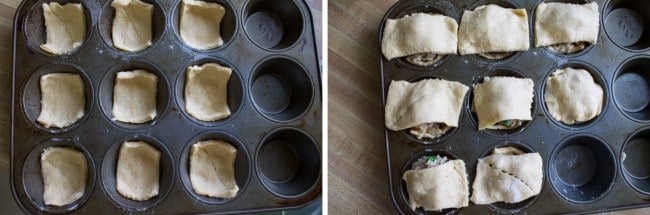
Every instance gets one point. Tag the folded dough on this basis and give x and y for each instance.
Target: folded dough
(507, 178)
(427, 101)
(500, 99)
(65, 27)
(439, 187)
(134, 96)
(572, 96)
(206, 91)
(419, 33)
(212, 169)
(132, 25)
(565, 23)
(138, 171)
(62, 100)
(200, 24)
(491, 28)
(64, 175)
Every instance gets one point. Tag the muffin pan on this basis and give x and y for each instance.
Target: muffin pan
(594, 166)
(274, 95)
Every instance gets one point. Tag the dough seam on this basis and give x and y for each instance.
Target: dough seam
(510, 174)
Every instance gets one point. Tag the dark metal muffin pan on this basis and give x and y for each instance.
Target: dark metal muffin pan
(274, 94)
(594, 166)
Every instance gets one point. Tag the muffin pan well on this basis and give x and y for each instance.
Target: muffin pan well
(273, 94)
(594, 166)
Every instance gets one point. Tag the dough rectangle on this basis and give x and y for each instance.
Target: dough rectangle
(134, 96)
(65, 27)
(63, 101)
(206, 91)
(138, 171)
(507, 178)
(132, 25)
(440, 187)
(558, 23)
(503, 98)
(491, 28)
(419, 33)
(212, 169)
(65, 174)
(200, 24)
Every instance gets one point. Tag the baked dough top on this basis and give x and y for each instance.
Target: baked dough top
(572, 96)
(419, 33)
(64, 172)
(439, 187)
(212, 169)
(134, 96)
(138, 171)
(62, 100)
(206, 91)
(503, 98)
(132, 28)
(200, 24)
(491, 28)
(65, 27)
(558, 23)
(507, 178)
(426, 101)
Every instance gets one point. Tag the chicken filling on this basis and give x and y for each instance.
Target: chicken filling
(424, 59)
(429, 130)
(428, 162)
(568, 48)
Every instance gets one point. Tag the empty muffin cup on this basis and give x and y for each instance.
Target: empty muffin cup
(410, 8)
(288, 163)
(634, 161)
(108, 173)
(499, 72)
(582, 169)
(34, 26)
(242, 165)
(598, 79)
(502, 206)
(631, 89)
(31, 95)
(402, 184)
(105, 24)
(228, 26)
(281, 89)
(32, 182)
(235, 91)
(627, 23)
(107, 86)
(273, 25)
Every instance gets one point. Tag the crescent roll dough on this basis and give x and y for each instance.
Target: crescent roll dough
(426, 101)
(507, 178)
(200, 24)
(64, 175)
(206, 91)
(132, 25)
(134, 96)
(62, 100)
(572, 96)
(419, 33)
(557, 23)
(502, 98)
(212, 169)
(65, 27)
(491, 28)
(138, 171)
(439, 187)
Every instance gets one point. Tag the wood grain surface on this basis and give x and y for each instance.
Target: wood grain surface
(358, 178)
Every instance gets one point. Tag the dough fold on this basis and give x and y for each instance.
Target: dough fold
(507, 178)
(558, 23)
(206, 91)
(572, 96)
(502, 98)
(138, 171)
(134, 96)
(132, 28)
(419, 33)
(200, 24)
(491, 28)
(65, 27)
(62, 100)
(439, 187)
(426, 101)
(212, 169)
(64, 173)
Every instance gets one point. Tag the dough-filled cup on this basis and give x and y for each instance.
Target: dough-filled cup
(228, 27)
(158, 25)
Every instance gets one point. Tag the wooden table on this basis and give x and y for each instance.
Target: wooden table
(358, 178)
